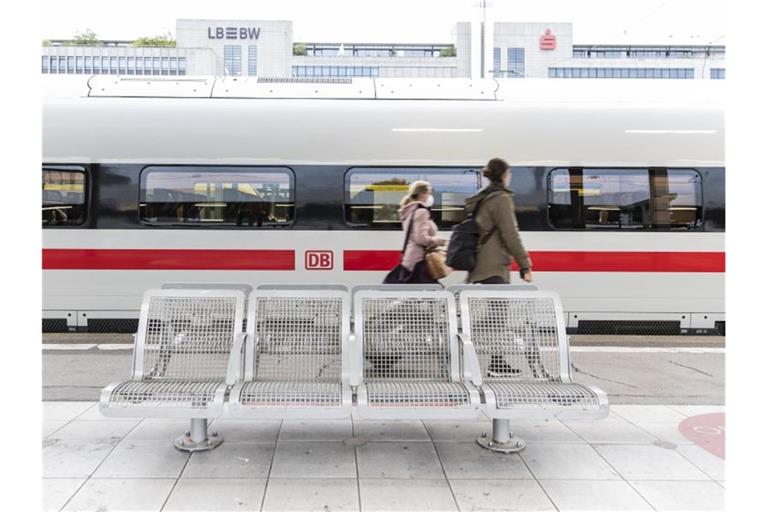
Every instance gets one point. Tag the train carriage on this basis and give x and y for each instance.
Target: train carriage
(619, 188)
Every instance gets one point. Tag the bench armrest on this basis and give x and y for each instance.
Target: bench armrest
(235, 364)
(355, 361)
(470, 363)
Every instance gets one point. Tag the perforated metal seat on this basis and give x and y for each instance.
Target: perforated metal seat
(154, 394)
(521, 351)
(417, 394)
(182, 350)
(291, 394)
(407, 361)
(571, 398)
(294, 361)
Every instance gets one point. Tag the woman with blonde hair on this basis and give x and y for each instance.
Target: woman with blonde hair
(420, 234)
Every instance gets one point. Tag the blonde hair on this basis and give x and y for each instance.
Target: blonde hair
(415, 189)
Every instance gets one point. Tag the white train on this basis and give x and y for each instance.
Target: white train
(620, 188)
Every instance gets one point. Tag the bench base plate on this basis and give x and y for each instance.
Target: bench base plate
(513, 445)
(186, 444)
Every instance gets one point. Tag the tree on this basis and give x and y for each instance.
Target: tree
(163, 40)
(46, 42)
(86, 38)
(449, 51)
(299, 49)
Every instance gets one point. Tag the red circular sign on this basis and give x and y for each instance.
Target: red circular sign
(707, 431)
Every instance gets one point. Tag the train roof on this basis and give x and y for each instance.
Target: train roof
(529, 90)
(238, 121)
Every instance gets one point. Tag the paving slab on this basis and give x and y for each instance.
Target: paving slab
(567, 462)
(246, 431)
(316, 430)
(312, 459)
(57, 491)
(64, 410)
(712, 465)
(73, 459)
(216, 494)
(399, 460)
(391, 430)
(468, 460)
(618, 432)
(312, 494)
(231, 460)
(681, 495)
(456, 431)
(143, 460)
(115, 494)
(480, 495)
(586, 495)
(392, 495)
(649, 462)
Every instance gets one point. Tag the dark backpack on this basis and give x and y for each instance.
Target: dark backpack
(464, 243)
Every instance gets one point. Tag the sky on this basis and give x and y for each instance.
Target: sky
(399, 21)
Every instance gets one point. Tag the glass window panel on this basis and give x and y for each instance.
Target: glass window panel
(45, 64)
(373, 194)
(54, 65)
(217, 196)
(63, 199)
(656, 198)
(252, 52)
(70, 64)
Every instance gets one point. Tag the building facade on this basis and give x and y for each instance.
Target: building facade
(266, 49)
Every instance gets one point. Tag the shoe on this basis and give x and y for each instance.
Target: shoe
(500, 368)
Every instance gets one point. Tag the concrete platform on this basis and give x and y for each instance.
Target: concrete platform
(639, 458)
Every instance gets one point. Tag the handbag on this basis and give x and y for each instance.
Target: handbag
(400, 274)
(436, 266)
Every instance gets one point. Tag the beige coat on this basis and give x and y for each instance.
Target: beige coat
(494, 256)
(423, 233)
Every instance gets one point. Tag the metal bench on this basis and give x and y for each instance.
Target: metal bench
(523, 331)
(407, 357)
(180, 360)
(295, 363)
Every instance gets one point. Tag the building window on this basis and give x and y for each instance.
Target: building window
(165, 66)
(496, 62)
(79, 61)
(515, 62)
(46, 64)
(217, 196)
(113, 67)
(64, 201)
(88, 64)
(252, 60)
(614, 199)
(70, 65)
(232, 60)
(717, 73)
(372, 195)
(182, 65)
(662, 73)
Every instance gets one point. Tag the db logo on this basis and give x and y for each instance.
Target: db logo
(318, 260)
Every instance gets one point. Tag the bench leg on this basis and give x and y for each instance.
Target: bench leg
(197, 438)
(502, 440)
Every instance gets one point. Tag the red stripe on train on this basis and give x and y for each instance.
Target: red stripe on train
(167, 259)
(574, 261)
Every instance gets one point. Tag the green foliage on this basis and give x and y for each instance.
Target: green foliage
(46, 42)
(164, 40)
(86, 38)
(448, 52)
(299, 49)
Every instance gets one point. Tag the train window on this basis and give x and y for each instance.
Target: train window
(595, 199)
(373, 194)
(217, 196)
(64, 201)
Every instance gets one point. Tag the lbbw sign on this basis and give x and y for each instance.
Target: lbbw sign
(318, 260)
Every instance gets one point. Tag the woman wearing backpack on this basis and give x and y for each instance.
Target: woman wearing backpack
(420, 233)
(498, 242)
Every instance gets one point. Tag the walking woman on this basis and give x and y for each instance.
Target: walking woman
(499, 237)
(499, 241)
(420, 234)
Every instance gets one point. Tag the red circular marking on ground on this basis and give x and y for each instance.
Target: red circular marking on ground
(707, 431)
